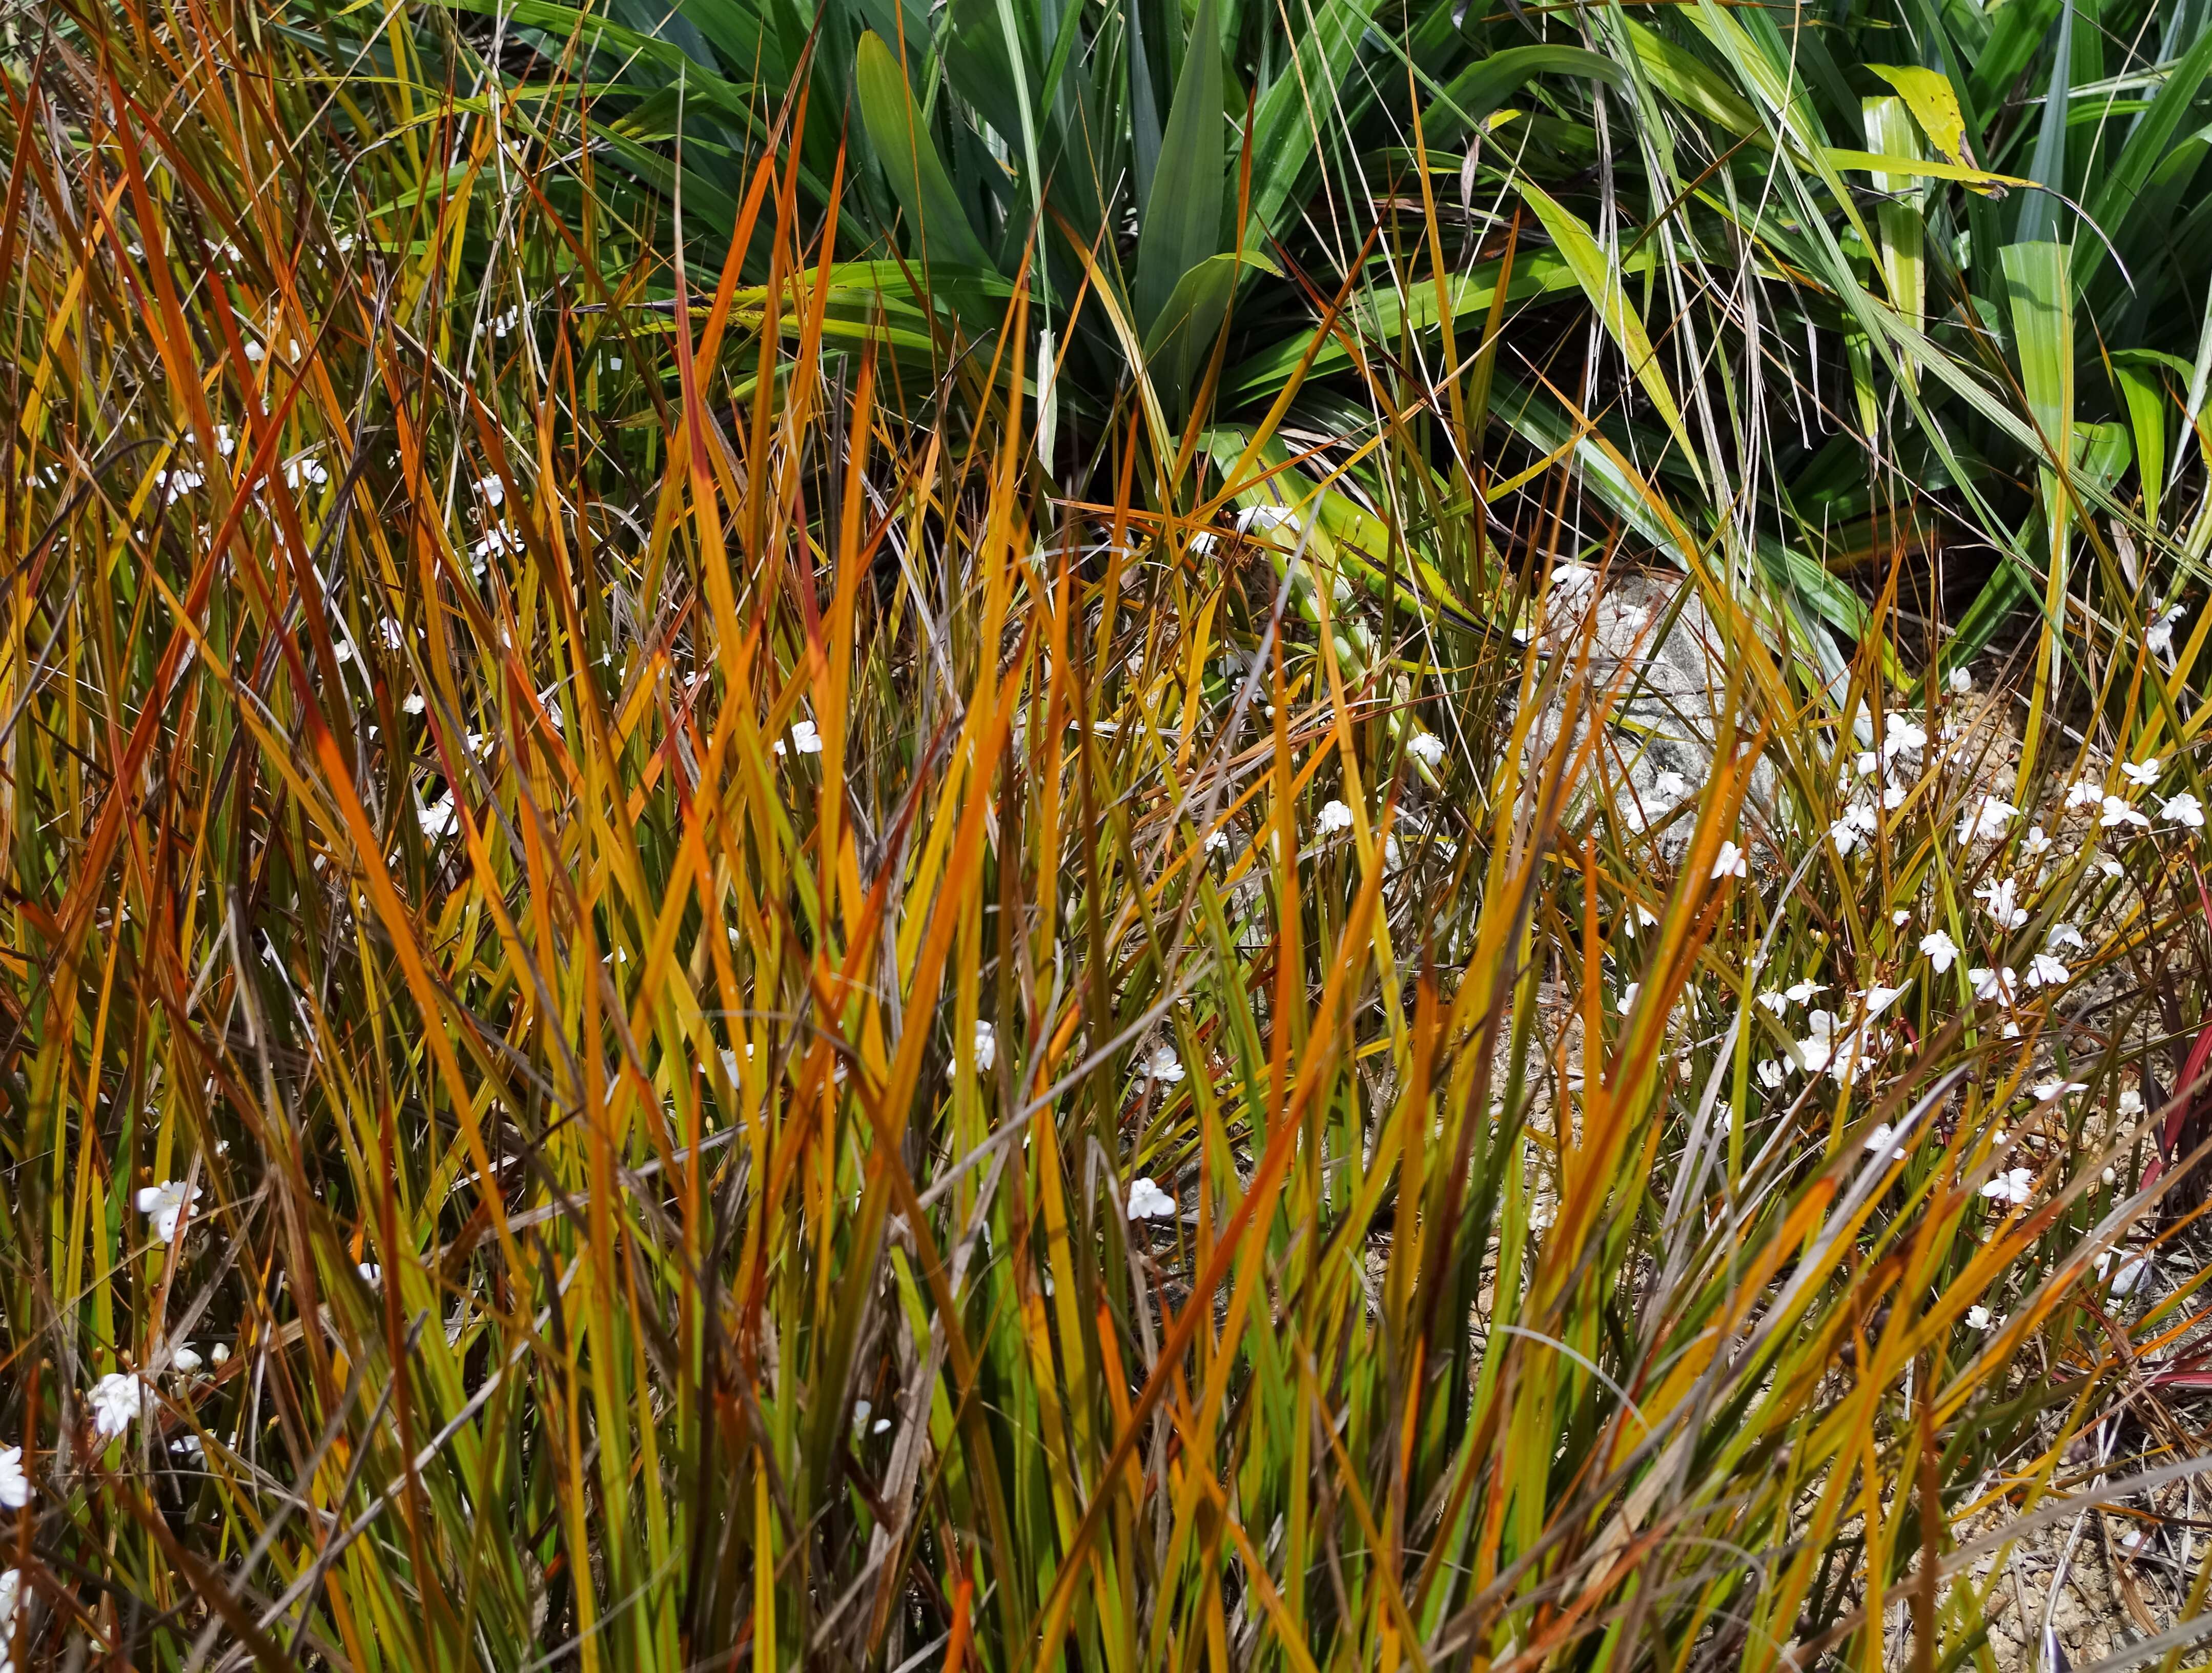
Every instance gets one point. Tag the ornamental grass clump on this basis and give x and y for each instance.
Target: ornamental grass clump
(700, 970)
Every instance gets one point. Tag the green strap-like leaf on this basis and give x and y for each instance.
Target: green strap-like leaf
(901, 137)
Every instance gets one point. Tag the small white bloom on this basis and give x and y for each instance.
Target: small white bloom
(166, 1204)
(220, 1353)
(1978, 1317)
(1670, 786)
(1868, 764)
(1845, 835)
(1628, 995)
(1884, 1137)
(116, 1401)
(1775, 1001)
(1901, 734)
(2130, 1103)
(2084, 792)
(2014, 1185)
(2050, 1090)
(2143, 772)
(1985, 820)
(1961, 681)
(412, 703)
(1999, 895)
(2045, 971)
(1730, 862)
(187, 1360)
(2117, 812)
(805, 739)
(2157, 636)
(2183, 809)
(1148, 1201)
(371, 1274)
(1164, 1066)
(987, 1047)
(1803, 989)
(1893, 797)
(1266, 519)
(2036, 842)
(1900, 917)
(14, 1485)
(493, 489)
(1335, 817)
(1942, 952)
(441, 818)
(1426, 748)
(1771, 1070)
(1996, 984)
(1217, 841)
(2106, 864)
(2065, 935)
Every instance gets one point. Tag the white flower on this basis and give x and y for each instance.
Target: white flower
(1775, 1001)
(2065, 935)
(1426, 748)
(1771, 1070)
(220, 1353)
(1884, 1136)
(187, 1360)
(1645, 917)
(2117, 812)
(2157, 636)
(305, 469)
(1942, 952)
(1901, 734)
(2001, 905)
(1148, 1201)
(2131, 1273)
(1803, 989)
(2131, 1103)
(493, 489)
(1893, 797)
(1900, 917)
(1993, 985)
(116, 1400)
(2084, 792)
(2045, 971)
(1845, 835)
(2014, 1185)
(1985, 821)
(1868, 764)
(440, 819)
(987, 1047)
(371, 1274)
(1670, 786)
(2050, 1090)
(2183, 809)
(1961, 681)
(11, 1599)
(805, 739)
(2144, 772)
(1164, 1066)
(165, 1203)
(14, 1485)
(1730, 862)
(1879, 998)
(2106, 864)
(1217, 841)
(497, 539)
(1266, 517)
(2036, 842)
(1628, 995)
(1978, 1317)
(1335, 817)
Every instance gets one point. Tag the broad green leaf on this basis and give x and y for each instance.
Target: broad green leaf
(2146, 402)
(2037, 286)
(1601, 280)
(900, 135)
(1482, 86)
(1897, 220)
(1182, 217)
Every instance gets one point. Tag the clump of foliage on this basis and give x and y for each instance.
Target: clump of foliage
(826, 839)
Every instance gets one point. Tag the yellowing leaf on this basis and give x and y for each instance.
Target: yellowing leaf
(1934, 104)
